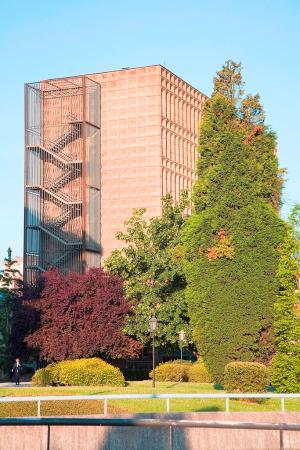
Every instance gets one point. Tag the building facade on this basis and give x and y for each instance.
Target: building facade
(97, 147)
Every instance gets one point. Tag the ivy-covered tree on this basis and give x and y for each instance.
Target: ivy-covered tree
(286, 363)
(233, 236)
(151, 266)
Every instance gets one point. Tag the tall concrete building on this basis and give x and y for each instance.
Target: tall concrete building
(97, 147)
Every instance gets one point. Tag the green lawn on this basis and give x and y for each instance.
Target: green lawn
(130, 406)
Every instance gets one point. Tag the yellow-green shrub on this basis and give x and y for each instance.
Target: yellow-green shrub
(246, 377)
(172, 371)
(198, 373)
(43, 377)
(80, 372)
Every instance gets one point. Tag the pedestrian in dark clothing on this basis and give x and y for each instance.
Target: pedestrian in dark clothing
(16, 370)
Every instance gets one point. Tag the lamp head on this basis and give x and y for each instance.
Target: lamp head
(182, 335)
(153, 324)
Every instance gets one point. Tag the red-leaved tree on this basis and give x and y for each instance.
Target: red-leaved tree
(82, 316)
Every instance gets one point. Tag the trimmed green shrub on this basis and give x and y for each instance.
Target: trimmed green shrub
(80, 372)
(198, 373)
(286, 373)
(172, 371)
(182, 371)
(43, 377)
(246, 377)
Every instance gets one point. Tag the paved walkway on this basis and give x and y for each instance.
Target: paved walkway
(9, 384)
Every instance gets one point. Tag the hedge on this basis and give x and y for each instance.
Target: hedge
(182, 371)
(79, 372)
(198, 373)
(246, 377)
(43, 377)
(172, 371)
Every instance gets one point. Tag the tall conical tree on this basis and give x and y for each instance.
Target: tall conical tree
(232, 238)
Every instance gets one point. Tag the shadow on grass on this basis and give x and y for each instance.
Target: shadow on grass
(209, 409)
(249, 401)
(218, 387)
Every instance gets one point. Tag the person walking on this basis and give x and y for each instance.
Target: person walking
(16, 370)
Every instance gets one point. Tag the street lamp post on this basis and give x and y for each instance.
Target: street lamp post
(153, 326)
(181, 340)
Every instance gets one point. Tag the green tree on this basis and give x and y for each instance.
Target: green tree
(286, 363)
(9, 290)
(229, 81)
(232, 238)
(251, 110)
(294, 221)
(151, 266)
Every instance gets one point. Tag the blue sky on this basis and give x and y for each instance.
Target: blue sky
(43, 39)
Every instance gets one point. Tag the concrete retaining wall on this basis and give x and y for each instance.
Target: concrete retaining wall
(114, 438)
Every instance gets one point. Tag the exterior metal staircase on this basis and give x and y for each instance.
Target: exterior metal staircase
(56, 191)
(62, 196)
(71, 135)
(61, 220)
(62, 258)
(55, 226)
(61, 160)
(67, 176)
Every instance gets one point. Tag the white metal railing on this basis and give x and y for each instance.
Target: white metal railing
(167, 397)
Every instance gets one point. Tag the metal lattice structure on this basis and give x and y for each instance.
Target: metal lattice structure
(62, 176)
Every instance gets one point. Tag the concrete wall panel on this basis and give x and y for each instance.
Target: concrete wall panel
(114, 438)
